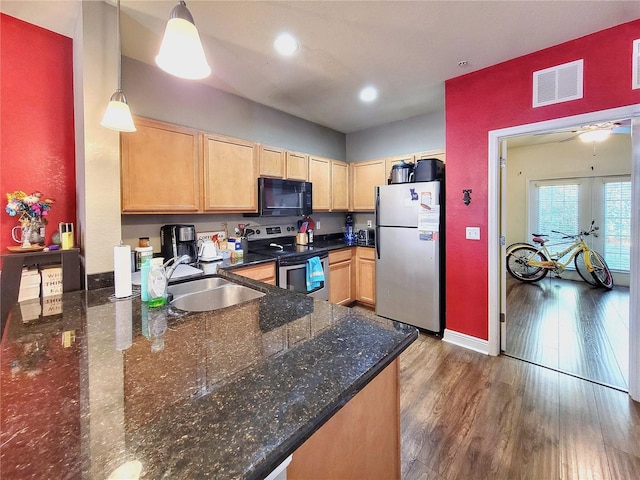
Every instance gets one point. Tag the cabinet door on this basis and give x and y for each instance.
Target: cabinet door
(297, 166)
(160, 168)
(365, 177)
(230, 180)
(264, 272)
(439, 154)
(341, 276)
(366, 275)
(391, 161)
(320, 177)
(271, 161)
(339, 186)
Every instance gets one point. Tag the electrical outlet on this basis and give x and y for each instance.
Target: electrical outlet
(318, 225)
(473, 233)
(369, 224)
(209, 235)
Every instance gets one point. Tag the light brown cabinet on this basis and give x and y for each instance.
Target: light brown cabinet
(263, 272)
(320, 177)
(439, 154)
(160, 168)
(341, 276)
(366, 275)
(365, 176)
(362, 440)
(297, 166)
(339, 186)
(230, 173)
(271, 161)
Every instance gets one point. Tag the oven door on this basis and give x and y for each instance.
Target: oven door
(292, 275)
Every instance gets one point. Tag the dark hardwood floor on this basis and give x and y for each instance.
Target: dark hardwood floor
(572, 327)
(465, 415)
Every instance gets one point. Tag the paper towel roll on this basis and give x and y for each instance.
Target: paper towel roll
(122, 270)
(124, 325)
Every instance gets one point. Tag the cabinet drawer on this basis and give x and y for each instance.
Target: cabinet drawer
(264, 272)
(342, 255)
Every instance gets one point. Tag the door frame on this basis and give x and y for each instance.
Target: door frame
(496, 275)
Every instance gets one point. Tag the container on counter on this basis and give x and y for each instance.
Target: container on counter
(142, 255)
(310, 235)
(157, 283)
(144, 242)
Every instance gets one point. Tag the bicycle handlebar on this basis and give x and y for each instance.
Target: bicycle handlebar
(566, 235)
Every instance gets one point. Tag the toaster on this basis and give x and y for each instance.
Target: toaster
(366, 236)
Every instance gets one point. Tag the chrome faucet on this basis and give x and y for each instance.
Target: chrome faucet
(176, 261)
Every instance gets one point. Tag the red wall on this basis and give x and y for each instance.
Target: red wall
(499, 97)
(37, 144)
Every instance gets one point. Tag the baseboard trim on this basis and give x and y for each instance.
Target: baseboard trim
(466, 341)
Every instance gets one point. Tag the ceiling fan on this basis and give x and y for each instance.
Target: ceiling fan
(598, 132)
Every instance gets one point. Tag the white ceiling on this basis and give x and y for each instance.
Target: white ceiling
(406, 48)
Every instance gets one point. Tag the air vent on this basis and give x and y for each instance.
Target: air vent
(558, 84)
(636, 64)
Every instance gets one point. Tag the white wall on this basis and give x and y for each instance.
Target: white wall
(425, 132)
(155, 94)
(572, 159)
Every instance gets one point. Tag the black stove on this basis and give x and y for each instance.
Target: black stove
(276, 241)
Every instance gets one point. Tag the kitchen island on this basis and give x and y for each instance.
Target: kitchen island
(229, 393)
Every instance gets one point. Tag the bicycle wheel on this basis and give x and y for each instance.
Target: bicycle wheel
(583, 271)
(601, 272)
(518, 264)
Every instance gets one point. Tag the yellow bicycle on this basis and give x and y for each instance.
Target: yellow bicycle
(529, 263)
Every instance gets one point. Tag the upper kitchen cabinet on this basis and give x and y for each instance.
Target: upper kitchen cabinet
(320, 177)
(339, 186)
(160, 168)
(391, 161)
(365, 176)
(439, 154)
(230, 173)
(271, 161)
(297, 166)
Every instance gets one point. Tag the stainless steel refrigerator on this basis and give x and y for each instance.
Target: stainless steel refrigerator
(409, 267)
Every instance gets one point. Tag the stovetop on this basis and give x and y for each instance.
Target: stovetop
(278, 241)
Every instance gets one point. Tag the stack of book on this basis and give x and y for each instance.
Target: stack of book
(45, 285)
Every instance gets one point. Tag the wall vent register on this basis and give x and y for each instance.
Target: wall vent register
(558, 84)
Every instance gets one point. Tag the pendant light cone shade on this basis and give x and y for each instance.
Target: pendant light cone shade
(181, 53)
(118, 116)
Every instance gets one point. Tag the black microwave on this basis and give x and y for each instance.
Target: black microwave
(284, 198)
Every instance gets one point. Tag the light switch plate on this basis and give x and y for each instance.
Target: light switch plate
(318, 225)
(473, 233)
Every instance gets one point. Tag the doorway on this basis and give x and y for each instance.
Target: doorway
(556, 182)
(497, 295)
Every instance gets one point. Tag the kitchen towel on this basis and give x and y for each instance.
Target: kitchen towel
(315, 274)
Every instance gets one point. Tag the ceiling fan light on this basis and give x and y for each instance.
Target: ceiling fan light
(595, 135)
(118, 116)
(181, 53)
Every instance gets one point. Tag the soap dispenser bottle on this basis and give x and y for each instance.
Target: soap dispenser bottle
(157, 283)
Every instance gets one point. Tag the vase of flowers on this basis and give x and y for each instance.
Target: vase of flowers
(32, 211)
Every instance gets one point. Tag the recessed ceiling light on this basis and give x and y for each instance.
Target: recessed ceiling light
(463, 63)
(286, 44)
(368, 94)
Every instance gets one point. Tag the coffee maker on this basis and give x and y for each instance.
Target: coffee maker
(178, 240)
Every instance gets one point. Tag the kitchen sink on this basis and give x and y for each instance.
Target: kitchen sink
(210, 294)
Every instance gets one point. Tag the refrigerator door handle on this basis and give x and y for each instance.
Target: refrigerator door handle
(377, 222)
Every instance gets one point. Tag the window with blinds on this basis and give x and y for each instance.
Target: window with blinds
(558, 208)
(617, 225)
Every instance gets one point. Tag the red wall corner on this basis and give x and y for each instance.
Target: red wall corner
(37, 139)
(499, 97)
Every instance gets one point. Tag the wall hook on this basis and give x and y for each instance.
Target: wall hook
(467, 196)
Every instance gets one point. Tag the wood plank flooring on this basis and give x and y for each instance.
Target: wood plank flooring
(572, 327)
(465, 415)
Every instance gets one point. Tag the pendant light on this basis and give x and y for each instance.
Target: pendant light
(181, 53)
(118, 116)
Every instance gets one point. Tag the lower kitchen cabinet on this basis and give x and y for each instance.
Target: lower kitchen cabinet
(362, 440)
(263, 272)
(366, 275)
(341, 276)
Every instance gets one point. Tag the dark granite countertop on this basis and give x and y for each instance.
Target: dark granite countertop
(224, 394)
